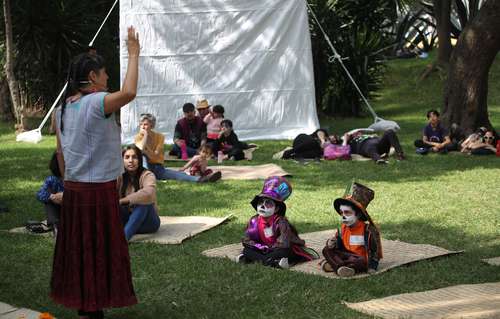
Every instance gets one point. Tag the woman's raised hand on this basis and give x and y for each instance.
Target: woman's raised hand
(133, 45)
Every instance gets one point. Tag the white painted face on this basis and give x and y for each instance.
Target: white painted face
(266, 207)
(349, 216)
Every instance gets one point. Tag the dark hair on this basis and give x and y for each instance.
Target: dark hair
(227, 123)
(315, 133)
(218, 109)
(188, 107)
(493, 133)
(126, 177)
(78, 73)
(432, 112)
(54, 165)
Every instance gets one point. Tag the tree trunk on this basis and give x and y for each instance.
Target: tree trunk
(442, 11)
(466, 92)
(5, 103)
(15, 93)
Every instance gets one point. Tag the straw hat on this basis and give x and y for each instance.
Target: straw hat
(202, 104)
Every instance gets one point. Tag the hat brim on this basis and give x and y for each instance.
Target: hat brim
(357, 207)
(281, 205)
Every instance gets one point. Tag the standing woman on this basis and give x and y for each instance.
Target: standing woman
(91, 267)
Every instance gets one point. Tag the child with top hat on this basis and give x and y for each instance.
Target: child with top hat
(269, 236)
(356, 247)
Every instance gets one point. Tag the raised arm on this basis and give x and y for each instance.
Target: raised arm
(114, 101)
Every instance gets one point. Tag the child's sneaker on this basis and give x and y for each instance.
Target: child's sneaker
(422, 150)
(215, 177)
(240, 259)
(345, 272)
(283, 263)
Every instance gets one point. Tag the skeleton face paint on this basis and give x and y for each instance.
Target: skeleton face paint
(349, 216)
(266, 207)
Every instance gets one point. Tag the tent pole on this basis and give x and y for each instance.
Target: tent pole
(336, 56)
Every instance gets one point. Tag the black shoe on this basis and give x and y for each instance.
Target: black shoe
(214, 177)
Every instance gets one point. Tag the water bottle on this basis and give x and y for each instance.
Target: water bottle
(220, 157)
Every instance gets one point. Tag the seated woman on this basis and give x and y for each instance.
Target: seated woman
(269, 237)
(213, 120)
(370, 145)
(137, 191)
(151, 145)
(485, 146)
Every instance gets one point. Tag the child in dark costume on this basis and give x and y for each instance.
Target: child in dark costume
(229, 144)
(269, 237)
(356, 247)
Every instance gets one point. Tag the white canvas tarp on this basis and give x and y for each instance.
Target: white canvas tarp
(252, 57)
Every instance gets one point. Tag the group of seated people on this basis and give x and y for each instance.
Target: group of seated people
(143, 165)
(365, 142)
(272, 240)
(436, 138)
(201, 134)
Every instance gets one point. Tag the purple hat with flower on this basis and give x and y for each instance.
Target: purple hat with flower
(276, 188)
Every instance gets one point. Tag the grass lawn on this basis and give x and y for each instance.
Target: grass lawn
(450, 201)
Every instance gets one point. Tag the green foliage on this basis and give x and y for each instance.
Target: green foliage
(48, 33)
(358, 30)
(444, 200)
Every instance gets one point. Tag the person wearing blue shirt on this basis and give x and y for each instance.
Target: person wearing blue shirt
(51, 193)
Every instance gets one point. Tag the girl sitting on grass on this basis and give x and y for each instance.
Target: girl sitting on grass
(137, 190)
(197, 166)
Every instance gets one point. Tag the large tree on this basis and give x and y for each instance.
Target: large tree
(466, 91)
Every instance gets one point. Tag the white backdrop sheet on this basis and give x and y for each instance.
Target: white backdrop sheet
(252, 57)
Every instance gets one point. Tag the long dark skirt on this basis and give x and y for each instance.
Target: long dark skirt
(91, 268)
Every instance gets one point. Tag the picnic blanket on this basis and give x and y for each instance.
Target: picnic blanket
(463, 301)
(354, 157)
(250, 172)
(176, 229)
(10, 312)
(492, 261)
(396, 253)
(248, 154)
(173, 229)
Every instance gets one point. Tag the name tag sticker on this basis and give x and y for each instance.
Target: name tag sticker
(268, 232)
(356, 240)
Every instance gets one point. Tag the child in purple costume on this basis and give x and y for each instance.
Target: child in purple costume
(269, 237)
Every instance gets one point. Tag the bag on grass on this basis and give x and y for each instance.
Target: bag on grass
(334, 151)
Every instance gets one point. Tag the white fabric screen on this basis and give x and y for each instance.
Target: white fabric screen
(252, 57)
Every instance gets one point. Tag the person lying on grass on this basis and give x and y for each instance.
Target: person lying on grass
(365, 143)
(137, 191)
(356, 248)
(484, 146)
(269, 237)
